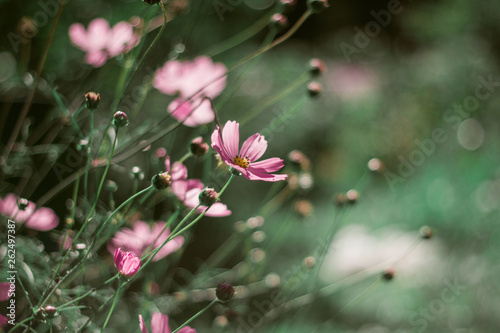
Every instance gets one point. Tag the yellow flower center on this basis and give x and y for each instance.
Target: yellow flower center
(241, 161)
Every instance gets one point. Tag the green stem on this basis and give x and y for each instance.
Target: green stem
(21, 323)
(89, 159)
(185, 157)
(196, 315)
(112, 307)
(87, 220)
(76, 299)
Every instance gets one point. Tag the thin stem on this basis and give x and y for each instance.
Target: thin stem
(31, 95)
(76, 299)
(89, 159)
(112, 307)
(196, 315)
(87, 220)
(21, 323)
(185, 157)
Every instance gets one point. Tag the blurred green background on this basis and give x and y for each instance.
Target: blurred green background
(385, 93)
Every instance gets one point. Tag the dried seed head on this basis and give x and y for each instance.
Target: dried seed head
(161, 181)
(22, 204)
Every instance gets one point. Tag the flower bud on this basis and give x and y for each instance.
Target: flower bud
(314, 89)
(126, 263)
(388, 273)
(288, 3)
(120, 119)
(27, 28)
(198, 147)
(376, 165)
(352, 196)
(22, 204)
(303, 207)
(317, 6)
(426, 232)
(50, 312)
(151, 2)
(161, 153)
(340, 199)
(92, 100)
(316, 66)
(278, 21)
(208, 196)
(161, 181)
(224, 292)
(137, 173)
(111, 186)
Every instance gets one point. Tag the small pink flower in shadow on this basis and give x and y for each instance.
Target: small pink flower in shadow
(188, 190)
(187, 78)
(192, 113)
(245, 160)
(41, 219)
(101, 42)
(159, 324)
(143, 239)
(126, 263)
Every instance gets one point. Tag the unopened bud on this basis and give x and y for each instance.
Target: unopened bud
(303, 207)
(314, 89)
(22, 203)
(279, 21)
(426, 232)
(388, 273)
(161, 181)
(352, 196)
(376, 165)
(288, 3)
(161, 153)
(198, 147)
(111, 186)
(316, 66)
(224, 292)
(317, 6)
(137, 173)
(92, 100)
(340, 199)
(120, 119)
(27, 28)
(208, 196)
(50, 312)
(151, 2)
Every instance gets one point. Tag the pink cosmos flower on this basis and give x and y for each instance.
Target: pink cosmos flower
(42, 219)
(191, 79)
(126, 263)
(192, 113)
(101, 42)
(244, 160)
(159, 324)
(188, 190)
(188, 77)
(143, 239)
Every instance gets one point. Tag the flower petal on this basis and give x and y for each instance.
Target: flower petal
(159, 323)
(187, 329)
(43, 219)
(231, 138)
(78, 36)
(120, 37)
(254, 147)
(218, 145)
(267, 177)
(268, 165)
(192, 113)
(142, 325)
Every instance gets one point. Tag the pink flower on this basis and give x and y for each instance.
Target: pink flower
(102, 42)
(188, 190)
(244, 160)
(4, 295)
(192, 113)
(126, 263)
(188, 77)
(159, 324)
(42, 219)
(142, 239)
